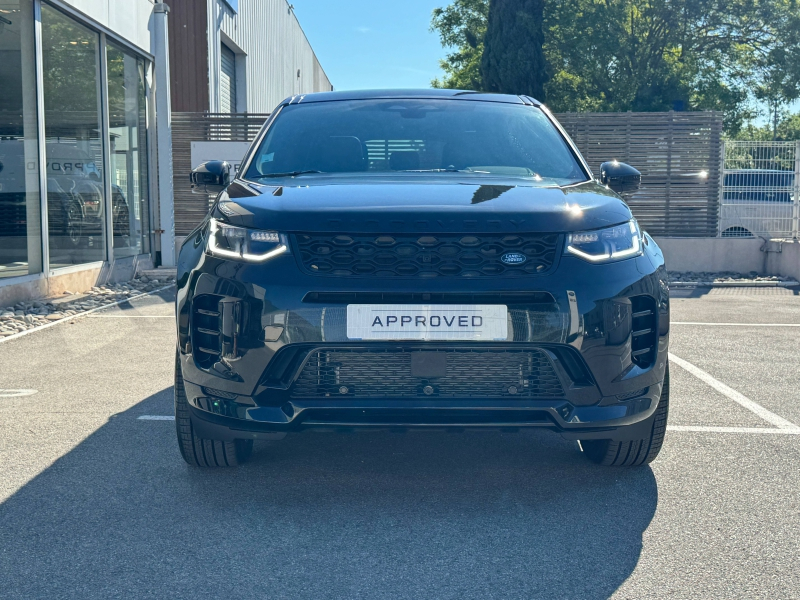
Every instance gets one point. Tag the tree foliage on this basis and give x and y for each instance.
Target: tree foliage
(645, 55)
(787, 129)
(462, 27)
(662, 54)
(513, 57)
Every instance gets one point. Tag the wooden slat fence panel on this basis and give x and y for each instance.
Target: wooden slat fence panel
(202, 127)
(678, 154)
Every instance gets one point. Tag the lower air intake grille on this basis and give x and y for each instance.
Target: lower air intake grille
(473, 373)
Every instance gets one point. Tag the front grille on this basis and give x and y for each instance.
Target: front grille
(645, 330)
(387, 373)
(464, 255)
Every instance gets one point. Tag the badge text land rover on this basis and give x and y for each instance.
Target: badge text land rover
(432, 259)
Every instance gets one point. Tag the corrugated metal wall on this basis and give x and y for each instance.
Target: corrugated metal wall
(276, 48)
(227, 81)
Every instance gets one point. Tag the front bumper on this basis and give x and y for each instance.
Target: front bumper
(580, 317)
(220, 418)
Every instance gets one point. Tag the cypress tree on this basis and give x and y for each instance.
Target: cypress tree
(513, 58)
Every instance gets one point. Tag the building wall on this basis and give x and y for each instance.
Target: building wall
(188, 55)
(129, 19)
(271, 47)
(738, 255)
(113, 45)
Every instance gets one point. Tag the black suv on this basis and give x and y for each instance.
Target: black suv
(431, 259)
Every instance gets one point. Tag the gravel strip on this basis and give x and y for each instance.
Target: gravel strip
(725, 277)
(35, 313)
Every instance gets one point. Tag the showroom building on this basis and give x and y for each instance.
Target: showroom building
(85, 146)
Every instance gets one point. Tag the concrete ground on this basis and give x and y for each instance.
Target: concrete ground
(97, 503)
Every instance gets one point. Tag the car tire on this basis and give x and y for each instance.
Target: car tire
(633, 453)
(73, 225)
(201, 452)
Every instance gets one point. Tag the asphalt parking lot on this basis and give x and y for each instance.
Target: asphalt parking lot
(96, 502)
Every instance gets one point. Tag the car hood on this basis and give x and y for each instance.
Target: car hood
(419, 205)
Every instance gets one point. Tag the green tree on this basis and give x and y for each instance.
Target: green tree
(461, 26)
(513, 58)
(664, 54)
(618, 55)
(787, 130)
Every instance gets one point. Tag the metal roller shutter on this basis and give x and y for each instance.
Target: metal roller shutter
(227, 81)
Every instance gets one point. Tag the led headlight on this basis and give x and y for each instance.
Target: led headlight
(248, 245)
(606, 245)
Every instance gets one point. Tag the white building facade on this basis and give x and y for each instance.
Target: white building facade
(86, 181)
(78, 144)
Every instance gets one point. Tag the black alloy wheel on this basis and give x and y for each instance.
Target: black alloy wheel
(633, 453)
(201, 452)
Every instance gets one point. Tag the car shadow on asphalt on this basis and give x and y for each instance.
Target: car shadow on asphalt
(324, 515)
(167, 296)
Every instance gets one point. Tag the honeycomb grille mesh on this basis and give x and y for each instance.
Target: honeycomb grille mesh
(429, 256)
(470, 373)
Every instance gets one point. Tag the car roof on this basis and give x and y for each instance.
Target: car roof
(437, 94)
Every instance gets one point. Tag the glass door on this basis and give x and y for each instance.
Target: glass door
(74, 141)
(128, 150)
(20, 215)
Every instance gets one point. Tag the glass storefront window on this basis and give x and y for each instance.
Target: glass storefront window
(74, 144)
(128, 151)
(20, 218)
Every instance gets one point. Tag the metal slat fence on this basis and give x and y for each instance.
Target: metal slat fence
(760, 193)
(678, 154)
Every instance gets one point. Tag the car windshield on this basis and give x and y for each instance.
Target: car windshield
(475, 138)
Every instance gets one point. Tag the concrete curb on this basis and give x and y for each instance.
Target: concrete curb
(83, 314)
(727, 284)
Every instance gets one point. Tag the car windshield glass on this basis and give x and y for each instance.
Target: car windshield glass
(473, 138)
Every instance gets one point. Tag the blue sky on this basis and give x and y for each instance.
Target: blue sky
(365, 44)
(373, 43)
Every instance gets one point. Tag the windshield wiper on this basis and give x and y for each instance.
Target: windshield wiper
(287, 174)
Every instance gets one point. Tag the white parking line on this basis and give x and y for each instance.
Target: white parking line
(740, 399)
(156, 418)
(16, 393)
(736, 324)
(704, 429)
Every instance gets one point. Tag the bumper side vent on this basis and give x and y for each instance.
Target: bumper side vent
(216, 329)
(645, 331)
(206, 330)
(219, 393)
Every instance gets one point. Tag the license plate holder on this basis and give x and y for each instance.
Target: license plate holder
(428, 322)
(428, 364)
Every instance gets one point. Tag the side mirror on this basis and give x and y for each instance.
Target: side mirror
(621, 178)
(210, 177)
